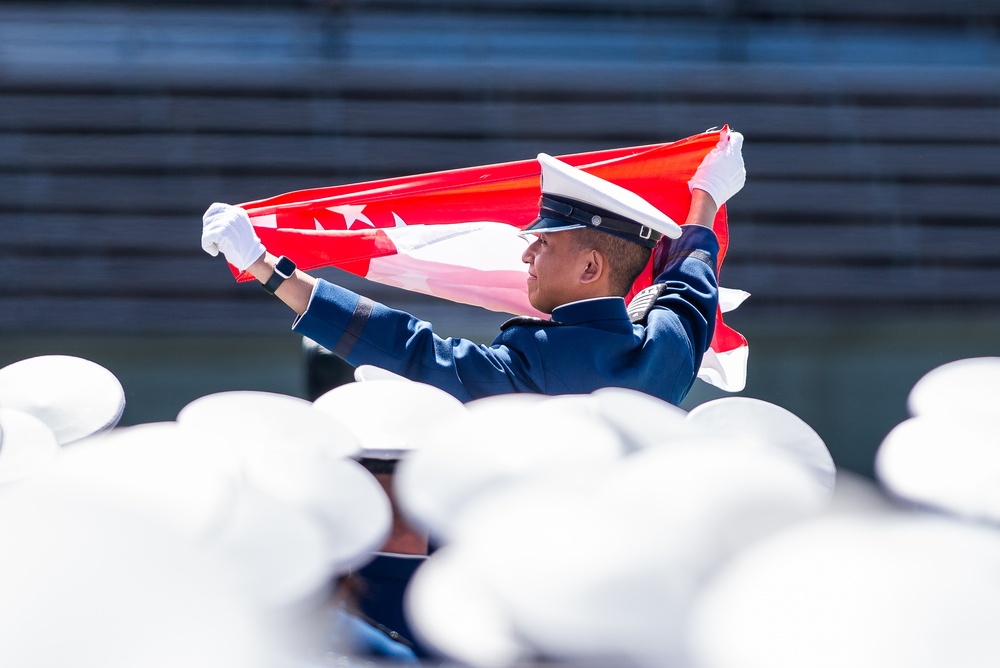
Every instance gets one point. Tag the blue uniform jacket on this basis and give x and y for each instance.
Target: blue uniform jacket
(585, 346)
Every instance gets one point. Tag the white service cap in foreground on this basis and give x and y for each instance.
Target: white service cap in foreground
(27, 445)
(497, 441)
(302, 457)
(73, 396)
(943, 462)
(187, 479)
(961, 387)
(388, 416)
(602, 565)
(756, 422)
(909, 589)
(91, 582)
(248, 420)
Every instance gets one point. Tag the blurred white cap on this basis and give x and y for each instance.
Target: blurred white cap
(961, 387)
(908, 590)
(602, 564)
(755, 423)
(27, 445)
(499, 440)
(948, 463)
(388, 416)
(249, 420)
(91, 582)
(73, 396)
(186, 479)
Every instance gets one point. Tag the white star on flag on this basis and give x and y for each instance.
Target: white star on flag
(352, 214)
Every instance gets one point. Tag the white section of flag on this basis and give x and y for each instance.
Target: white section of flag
(725, 370)
(266, 220)
(731, 298)
(471, 263)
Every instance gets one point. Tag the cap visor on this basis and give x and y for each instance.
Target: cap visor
(549, 225)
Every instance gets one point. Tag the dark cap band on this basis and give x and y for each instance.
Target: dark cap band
(562, 213)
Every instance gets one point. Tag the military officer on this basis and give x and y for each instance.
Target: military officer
(592, 239)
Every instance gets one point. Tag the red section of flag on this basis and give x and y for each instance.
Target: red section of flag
(725, 337)
(345, 215)
(353, 251)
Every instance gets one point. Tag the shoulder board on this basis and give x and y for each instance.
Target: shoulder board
(643, 302)
(528, 321)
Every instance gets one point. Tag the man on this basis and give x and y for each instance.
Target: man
(593, 240)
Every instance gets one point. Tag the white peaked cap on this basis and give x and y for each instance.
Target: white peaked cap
(250, 420)
(73, 396)
(470, 457)
(451, 608)
(662, 422)
(606, 565)
(193, 481)
(388, 416)
(300, 456)
(960, 387)
(27, 445)
(756, 422)
(118, 587)
(945, 463)
(908, 590)
(347, 501)
(177, 475)
(563, 180)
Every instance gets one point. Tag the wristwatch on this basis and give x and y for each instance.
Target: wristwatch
(283, 268)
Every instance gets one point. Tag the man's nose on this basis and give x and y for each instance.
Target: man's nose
(529, 253)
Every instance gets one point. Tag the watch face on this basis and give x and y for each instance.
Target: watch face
(284, 266)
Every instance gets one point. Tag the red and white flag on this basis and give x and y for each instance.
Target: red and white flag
(454, 234)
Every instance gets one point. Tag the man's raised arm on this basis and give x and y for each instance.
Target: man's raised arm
(720, 176)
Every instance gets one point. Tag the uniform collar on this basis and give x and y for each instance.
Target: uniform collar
(586, 310)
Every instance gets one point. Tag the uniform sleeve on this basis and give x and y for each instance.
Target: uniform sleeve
(686, 271)
(362, 331)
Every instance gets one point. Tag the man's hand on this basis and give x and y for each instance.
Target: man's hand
(722, 173)
(227, 228)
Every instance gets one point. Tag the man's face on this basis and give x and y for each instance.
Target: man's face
(555, 263)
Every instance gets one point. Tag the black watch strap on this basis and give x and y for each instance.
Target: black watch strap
(283, 268)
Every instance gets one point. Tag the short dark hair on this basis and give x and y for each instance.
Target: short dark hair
(625, 259)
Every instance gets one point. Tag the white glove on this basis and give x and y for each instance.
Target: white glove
(227, 228)
(722, 173)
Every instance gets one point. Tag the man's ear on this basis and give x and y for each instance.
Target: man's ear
(595, 266)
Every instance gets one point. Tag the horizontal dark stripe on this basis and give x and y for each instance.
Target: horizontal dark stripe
(354, 328)
(693, 253)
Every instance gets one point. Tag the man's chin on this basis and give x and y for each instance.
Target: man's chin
(541, 308)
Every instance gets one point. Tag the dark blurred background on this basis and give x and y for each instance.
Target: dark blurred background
(868, 231)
